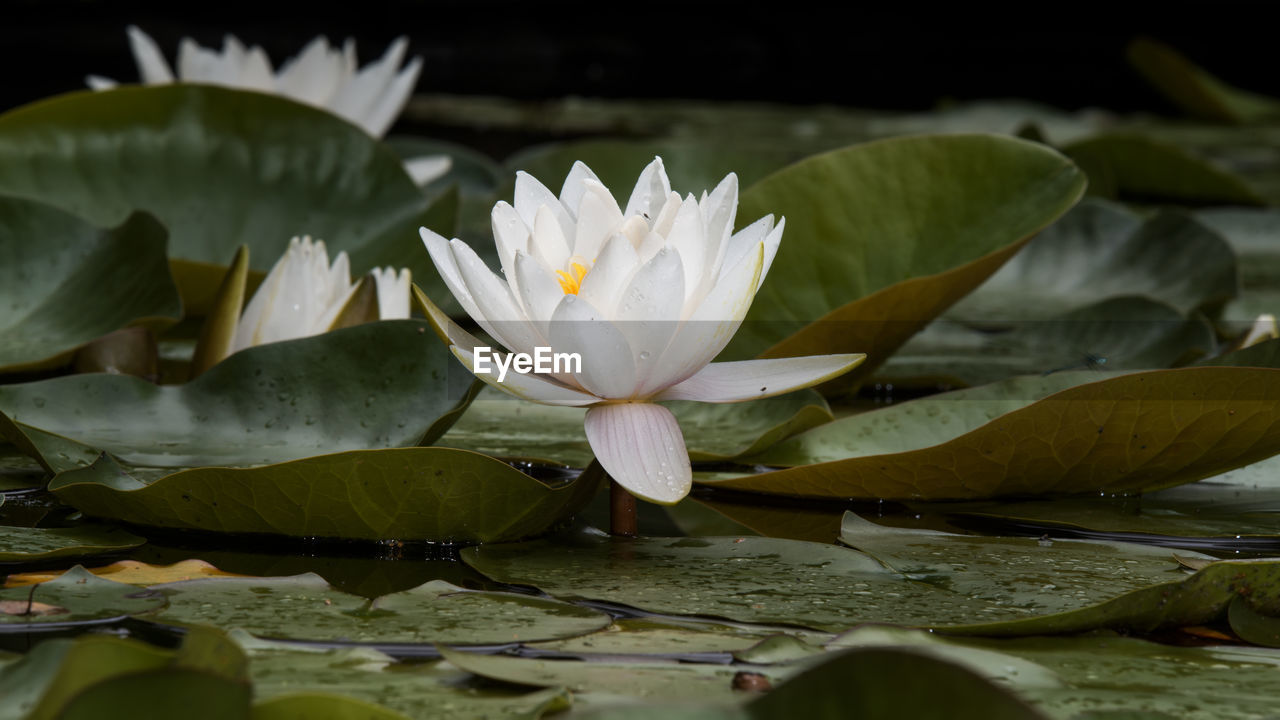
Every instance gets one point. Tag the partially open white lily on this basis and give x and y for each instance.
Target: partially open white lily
(321, 75)
(302, 295)
(646, 296)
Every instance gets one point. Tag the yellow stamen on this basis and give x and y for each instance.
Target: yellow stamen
(571, 284)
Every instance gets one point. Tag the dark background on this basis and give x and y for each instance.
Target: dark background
(890, 55)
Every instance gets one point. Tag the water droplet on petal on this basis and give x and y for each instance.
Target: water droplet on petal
(644, 355)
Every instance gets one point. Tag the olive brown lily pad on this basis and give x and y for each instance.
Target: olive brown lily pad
(1064, 433)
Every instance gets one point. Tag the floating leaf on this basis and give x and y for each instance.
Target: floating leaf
(1100, 250)
(430, 493)
(168, 692)
(131, 572)
(419, 690)
(305, 607)
(1103, 675)
(19, 544)
(1195, 90)
(1036, 577)
(604, 682)
(826, 587)
(1135, 167)
(321, 706)
(82, 595)
(883, 237)
(219, 168)
(382, 384)
(669, 637)
(1196, 600)
(499, 424)
(1124, 333)
(1063, 433)
(48, 258)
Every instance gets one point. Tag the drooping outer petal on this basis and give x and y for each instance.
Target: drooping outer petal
(754, 379)
(641, 447)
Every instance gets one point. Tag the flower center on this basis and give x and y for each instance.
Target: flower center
(571, 282)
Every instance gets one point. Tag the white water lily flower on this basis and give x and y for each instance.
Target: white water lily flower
(324, 76)
(646, 296)
(304, 295)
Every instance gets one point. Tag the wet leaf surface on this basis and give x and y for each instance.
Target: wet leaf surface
(46, 312)
(382, 384)
(505, 426)
(84, 597)
(418, 690)
(39, 544)
(306, 608)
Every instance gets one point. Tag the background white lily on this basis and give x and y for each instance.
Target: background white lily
(647, 296)
(304, 295)
(321, 75)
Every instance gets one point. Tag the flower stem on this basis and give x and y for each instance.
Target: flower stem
(622, 511)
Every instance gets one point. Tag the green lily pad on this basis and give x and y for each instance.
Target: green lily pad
(827, 588)
(1135, 167)
(429, 493)
(103, 677)
(168, 692)
(505, 426)
(1252, 234)
(48, 258)
(1064, 433)
(604, 682)
(281, 671)
(381, 384)
(1036, 577)
(76, 596)
(1123, 333)
(1104, 676)
(1196, 600)
(321, 706)
(1100, 250)
(670, 637)
(219, 168)
(47, 677)
(875, 683)
(36, 544)
(306, 608)
(883, 237)
(1194, 89)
